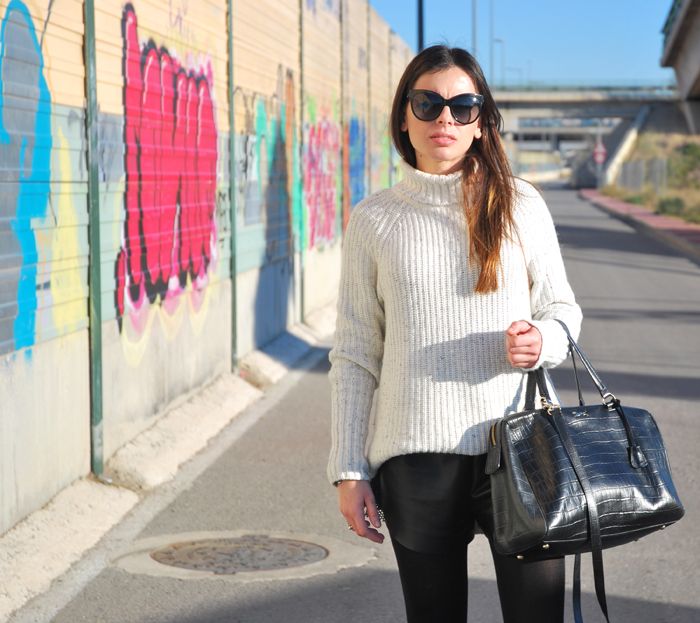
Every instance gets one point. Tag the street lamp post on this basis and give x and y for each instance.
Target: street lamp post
(492, 77)
(474, 28)
(420, 25)
(503, 60)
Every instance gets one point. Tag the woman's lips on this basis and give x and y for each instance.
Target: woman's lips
(443, 139)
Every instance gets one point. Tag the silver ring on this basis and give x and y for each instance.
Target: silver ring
(350, 527)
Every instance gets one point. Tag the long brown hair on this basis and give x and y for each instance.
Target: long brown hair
(486, 175)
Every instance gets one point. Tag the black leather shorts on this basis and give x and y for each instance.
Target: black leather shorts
(434, 502)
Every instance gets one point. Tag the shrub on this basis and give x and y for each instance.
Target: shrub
(684, 166)
(670, 205)
(692, 214)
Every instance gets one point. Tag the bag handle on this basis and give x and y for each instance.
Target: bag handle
(636, 455)
(605, 394)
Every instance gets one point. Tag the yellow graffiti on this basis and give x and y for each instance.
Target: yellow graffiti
(67, 276)
(165, 319)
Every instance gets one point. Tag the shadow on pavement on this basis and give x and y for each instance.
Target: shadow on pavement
(627, 383)
(672, 315)
(358, 599)
(613, 240)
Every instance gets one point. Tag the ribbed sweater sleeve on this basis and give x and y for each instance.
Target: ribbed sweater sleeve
(358, 349)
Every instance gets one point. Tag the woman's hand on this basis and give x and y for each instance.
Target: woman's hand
(523, 344)
(354, 498)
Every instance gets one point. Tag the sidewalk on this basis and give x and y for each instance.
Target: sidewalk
(44, 545)
(684, 237)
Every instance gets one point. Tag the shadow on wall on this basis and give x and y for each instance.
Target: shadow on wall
(268, 202)
(277, 271)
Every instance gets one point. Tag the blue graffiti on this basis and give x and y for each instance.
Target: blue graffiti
(357, 139)
(25, 146)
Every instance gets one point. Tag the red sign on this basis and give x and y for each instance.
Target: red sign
(599, 153)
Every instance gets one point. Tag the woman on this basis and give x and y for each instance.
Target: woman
(451, 283)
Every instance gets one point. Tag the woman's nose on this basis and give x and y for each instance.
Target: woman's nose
(445, 116)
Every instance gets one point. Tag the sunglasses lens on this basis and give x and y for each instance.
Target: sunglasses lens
(426, 106)
(465, 110)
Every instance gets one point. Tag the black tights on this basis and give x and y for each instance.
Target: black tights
(435, 587)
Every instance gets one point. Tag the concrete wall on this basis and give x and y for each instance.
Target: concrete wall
(379, 140)
(321, 149)
(310, 97)
(269, 206)
(355, 101)
(162, 90)
(44, 355)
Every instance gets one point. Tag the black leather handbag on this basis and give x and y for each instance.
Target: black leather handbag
(569, 480)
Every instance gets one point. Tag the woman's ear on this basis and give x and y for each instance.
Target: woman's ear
(477, 132)
(404, 126)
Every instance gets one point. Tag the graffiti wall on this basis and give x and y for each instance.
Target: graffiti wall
(310, 96)
(379, 141)
(43, 257)
(170, 145)
(269, 188)
(322, 120)
(164, 197)
(321, 149)
(355, 103)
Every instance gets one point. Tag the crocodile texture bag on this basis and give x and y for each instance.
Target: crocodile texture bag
(568, 480)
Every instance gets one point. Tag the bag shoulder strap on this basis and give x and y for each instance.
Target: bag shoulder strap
(593, 524)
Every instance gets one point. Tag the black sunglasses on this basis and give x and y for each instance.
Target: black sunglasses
(428, 105)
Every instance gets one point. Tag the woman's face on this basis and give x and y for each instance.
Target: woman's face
(441, 144)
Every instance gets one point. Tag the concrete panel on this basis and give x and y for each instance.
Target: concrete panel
(321, 136)
(44, 375)
(269, 214)
(163, 92)
(153, 360)
(355, 74)
(263, 293)
(44, 424)
(400, 57)
(379, 145)
(322, 276)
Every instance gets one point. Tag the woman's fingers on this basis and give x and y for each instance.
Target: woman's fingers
(359, 508)
(523, 344)
(373, 512)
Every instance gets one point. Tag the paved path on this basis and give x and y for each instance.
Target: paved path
(265, 472)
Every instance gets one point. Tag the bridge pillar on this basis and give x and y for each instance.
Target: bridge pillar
(691, 110)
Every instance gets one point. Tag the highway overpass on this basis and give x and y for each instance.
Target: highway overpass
(564, 124)
(681, 50)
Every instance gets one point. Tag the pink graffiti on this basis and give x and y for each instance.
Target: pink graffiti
(170, 157)
(321, 156)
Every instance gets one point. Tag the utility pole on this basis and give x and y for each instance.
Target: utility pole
(420, 25)
(474, 27)
(492, 77)
(503, 60)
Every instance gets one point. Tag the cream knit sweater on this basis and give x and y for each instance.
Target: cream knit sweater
(410, 325)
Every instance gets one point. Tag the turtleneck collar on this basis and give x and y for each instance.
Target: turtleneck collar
(430, 188)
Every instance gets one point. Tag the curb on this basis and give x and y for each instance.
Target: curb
(682, 236)
(46, 543)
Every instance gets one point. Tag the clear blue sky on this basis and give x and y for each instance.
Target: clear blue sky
(548, 41)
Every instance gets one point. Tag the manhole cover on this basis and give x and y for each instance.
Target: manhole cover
(227, 556)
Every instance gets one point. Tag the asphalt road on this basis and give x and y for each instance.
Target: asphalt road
(641, 307)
